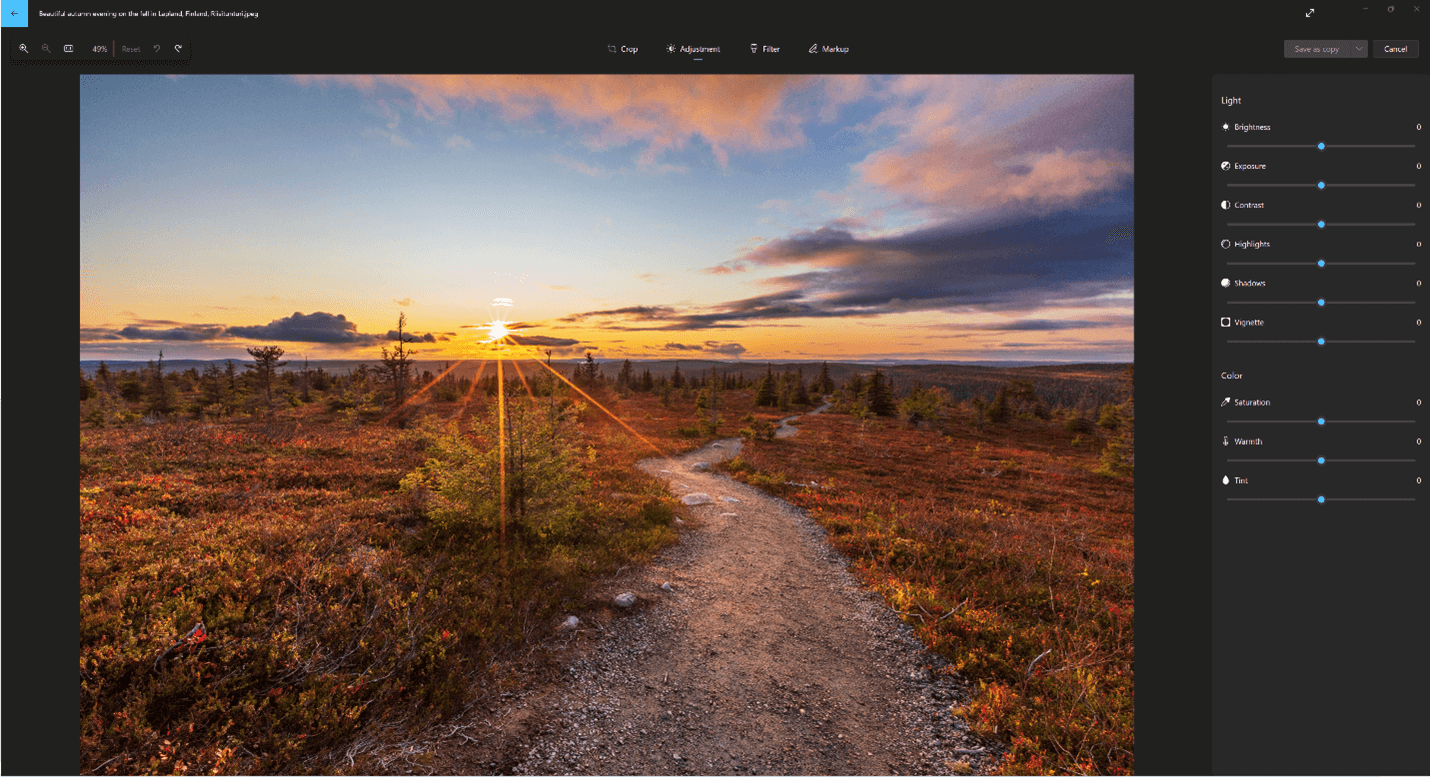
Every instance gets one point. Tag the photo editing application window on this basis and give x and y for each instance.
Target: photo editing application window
(473, 399)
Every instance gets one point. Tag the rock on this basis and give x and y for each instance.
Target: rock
(679, 522)
(571, 623)
(729, 515)
(698, 498)
(728, 499)
(666, 587)
(716, 445)
(701, 466)
(625, 600)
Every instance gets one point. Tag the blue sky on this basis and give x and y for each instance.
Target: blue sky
(725, 217)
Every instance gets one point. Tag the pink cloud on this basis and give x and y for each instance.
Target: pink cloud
(973, 143)
(732, 113)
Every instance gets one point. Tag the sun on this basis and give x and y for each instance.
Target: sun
(497, 330)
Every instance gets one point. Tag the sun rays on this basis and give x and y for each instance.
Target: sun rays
(502, 347)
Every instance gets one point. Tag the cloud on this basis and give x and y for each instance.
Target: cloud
(1042, 325)
(709, 346)
(579, 166)
(409, 337)
(391, 137)
(637, 312)
(457, 141)
(542, 340)
(559, 288)
(1015, 262)
(725, 268)
(180, 334)
(648, 277)
(317, 327)
(729, 349)
(970, 144)
(661, 113)
(405, 301)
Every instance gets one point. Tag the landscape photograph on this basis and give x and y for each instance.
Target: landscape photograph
(621, 424)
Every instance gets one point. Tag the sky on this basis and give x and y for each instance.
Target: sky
(936, 217)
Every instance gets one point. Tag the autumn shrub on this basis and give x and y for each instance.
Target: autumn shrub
(258, 603)
(1078, 423)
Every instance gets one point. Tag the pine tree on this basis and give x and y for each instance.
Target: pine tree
(855, 386)
(104, 379)
(165, 397)
(784, 392)
(801, 394)
(86, 389)
(398, 364)
(461, 481)
(997, 411)
(213, 390)
(626, 376)
(878, 396)
(765, 392)
(714, 391)
(823, 384)
(676, 379)
(1119, 457)
(265, 365)
(305, 396)
(647, 381)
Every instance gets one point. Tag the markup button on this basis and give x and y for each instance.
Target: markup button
(1397, 49)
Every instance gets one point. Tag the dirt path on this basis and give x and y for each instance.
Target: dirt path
(765, 656)
(785, 430)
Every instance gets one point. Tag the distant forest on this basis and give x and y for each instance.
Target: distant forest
(217, 387)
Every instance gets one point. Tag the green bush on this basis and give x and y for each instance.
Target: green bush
(459, 486)
(1108, 418)
(924, 405)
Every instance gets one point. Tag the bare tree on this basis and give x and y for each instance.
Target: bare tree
(398, 363)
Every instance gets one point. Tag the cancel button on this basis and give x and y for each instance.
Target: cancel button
(1405, 49)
